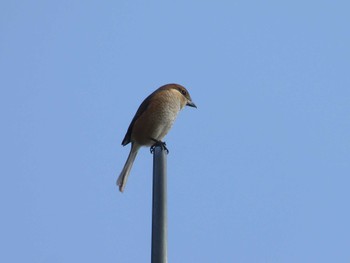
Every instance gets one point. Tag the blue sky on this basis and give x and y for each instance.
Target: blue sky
(258, 173)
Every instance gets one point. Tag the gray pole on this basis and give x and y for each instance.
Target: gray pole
(159, 207)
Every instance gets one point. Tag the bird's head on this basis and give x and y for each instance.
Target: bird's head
(182, 94)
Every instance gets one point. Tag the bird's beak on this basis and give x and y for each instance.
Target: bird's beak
(191, 104)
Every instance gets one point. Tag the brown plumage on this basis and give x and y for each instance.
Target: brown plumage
(152, 122)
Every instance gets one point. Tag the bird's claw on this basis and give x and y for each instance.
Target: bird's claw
(158, 143)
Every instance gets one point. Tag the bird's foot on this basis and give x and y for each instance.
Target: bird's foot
(158, 143)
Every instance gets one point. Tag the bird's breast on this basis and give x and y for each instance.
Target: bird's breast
(156, 121)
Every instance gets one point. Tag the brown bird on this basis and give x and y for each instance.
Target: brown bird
(152, 122)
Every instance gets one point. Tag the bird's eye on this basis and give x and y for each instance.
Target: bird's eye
(183, 92)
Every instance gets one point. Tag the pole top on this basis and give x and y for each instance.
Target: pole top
(159, 144)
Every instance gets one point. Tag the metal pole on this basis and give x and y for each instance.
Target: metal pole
(159, 207)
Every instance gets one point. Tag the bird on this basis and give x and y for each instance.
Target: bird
(152, 121)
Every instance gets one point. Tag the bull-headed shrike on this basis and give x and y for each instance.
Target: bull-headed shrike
(152, 122)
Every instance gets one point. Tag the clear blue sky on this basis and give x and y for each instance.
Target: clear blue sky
(260, 172)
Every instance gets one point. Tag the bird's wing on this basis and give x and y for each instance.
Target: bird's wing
(143, 107)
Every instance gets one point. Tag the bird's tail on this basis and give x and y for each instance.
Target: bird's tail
(123, 177)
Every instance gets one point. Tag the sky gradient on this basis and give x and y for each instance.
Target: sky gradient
(258, 173)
